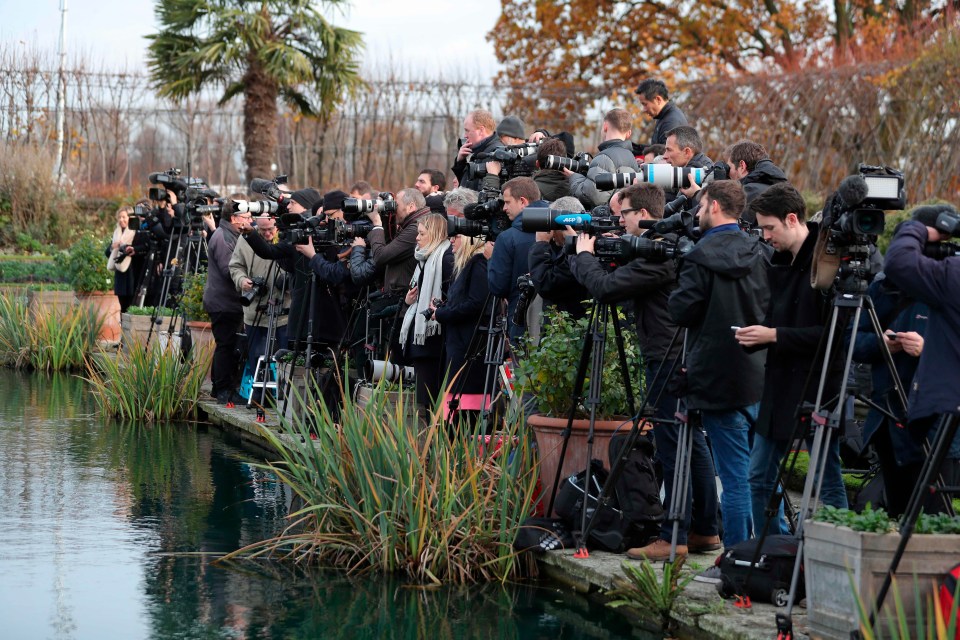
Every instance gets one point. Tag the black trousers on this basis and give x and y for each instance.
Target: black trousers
(225, 370)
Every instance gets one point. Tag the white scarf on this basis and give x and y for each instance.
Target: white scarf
(123, 236)
(432, 266)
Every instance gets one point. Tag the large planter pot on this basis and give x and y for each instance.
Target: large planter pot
(135, 329)
(549, 433)
(202, 335)
(107, 307)
(834, 556)
(46, 301)
(393, 400)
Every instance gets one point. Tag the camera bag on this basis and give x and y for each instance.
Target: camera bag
(770, 578)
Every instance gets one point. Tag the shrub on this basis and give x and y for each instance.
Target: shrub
(191, 300)
(86, 266)
(31, 204)
(46, 340)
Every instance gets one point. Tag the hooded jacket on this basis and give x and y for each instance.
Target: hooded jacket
(722, 284)
(553, 184)
(613, 156)
(764, 175)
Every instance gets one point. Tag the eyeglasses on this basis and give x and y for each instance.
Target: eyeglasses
(623, 211)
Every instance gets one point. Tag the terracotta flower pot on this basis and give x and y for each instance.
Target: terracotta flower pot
(549, 433)
(107, 306)
(46, 301)
(202, 335)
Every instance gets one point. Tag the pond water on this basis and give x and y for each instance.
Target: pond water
(109, 531)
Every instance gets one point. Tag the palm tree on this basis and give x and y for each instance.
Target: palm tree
(264, 49)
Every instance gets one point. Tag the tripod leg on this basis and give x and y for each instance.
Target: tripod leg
(593, 401)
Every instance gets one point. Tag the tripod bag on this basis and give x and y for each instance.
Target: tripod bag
(770, 577)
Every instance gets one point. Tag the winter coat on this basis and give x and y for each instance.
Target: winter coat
(799, 313)
(669, 118)
(433, 345)
(396, 258)
(553, 184)
(899, 313)
(486, 145)
(764, 175)
(722, 283)
(219, 294)
(363, 270)
(244, 263)
(554, 281)
(936, 385)
(510, 261)
(467, 308)
(647, 284)
(613, 156)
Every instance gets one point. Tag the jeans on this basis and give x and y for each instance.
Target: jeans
(729, 432)
(765, 456)
(701, 504)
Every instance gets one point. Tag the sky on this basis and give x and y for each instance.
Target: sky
(426, 37)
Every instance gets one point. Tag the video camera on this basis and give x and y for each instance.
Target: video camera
(325, 231)
(629, 247)
(664, 175)
(477, 168)
(483, 219)
(945, 219)
(544, 219)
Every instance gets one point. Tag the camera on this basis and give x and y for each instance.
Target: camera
(487, 215)
(376, 370)
(294, 228)
(259, 288)
(629, 247)
(477, 168)
(428, 312)
(158, 194)
(254, 207)
(544, 219)
(357, 206)
(578, 164)
(122, 249)
(941, 250)
(463, 227)
(663, 175)
(527, 293)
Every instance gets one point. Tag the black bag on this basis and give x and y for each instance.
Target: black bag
(543, 534)
(637, 488)
(770, 578)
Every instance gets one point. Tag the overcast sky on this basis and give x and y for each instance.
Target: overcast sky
(425, 36)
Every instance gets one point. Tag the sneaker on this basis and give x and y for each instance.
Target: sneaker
(702, 544)
(710, 576)
(223, 397)
(656, 551)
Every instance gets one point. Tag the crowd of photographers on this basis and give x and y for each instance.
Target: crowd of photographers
(721, 253)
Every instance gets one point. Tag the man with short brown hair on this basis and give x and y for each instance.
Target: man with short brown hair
(615, 154)
(479, 136)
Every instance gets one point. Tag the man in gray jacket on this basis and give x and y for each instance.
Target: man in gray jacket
(222, 301)
(615, 154)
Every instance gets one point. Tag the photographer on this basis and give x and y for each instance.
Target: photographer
(550, 270)
(750, 164)
(936, 283)
(790, 332)
(509, 260)
(684, 148)
(615, 154)
(553, 184)
(457, 200)
(722, 284)
(480, 136)
(656, 103)
(511, 133)
(397, 258)
(430, 182)
(224, 304)
(250, 272)
(648, 284)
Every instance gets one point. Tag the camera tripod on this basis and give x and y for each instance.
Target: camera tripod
(274, 310)
(187, 260)
(591, 357)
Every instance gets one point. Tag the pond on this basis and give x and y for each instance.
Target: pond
(110, 531)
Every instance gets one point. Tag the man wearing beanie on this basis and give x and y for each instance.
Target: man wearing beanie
(303, 200)
(479, 136)
(511, 132)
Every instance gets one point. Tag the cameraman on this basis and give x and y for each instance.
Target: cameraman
(934, 391)
(615, 154)
(656, 103)
(457, 200)
(512, 248)
(723, 284)
(550, 270)
(245, 267)
(553, 184)
(750, 164)
(647, 284)
(684, 148)
(480, 136)
(511, 133)
(396, 257)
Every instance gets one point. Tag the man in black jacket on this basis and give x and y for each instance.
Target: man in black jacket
(723, 286)
(552, 183)
(647, 284)
(656, 103)
(750, 164)
(790, 333)
(396, 257)
(615, 154)
(684, 148)
(550, 271)
(480, 136)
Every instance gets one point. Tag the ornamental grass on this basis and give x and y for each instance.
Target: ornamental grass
(46, 339)
(380, 492)
(148, 383)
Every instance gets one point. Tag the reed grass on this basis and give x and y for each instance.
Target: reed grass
(929, 622)
(148, 383)
(46, 339)
(380, 493)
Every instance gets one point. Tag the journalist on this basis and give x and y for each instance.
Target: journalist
(121, 260)
(430, 182)
(684, 148)
(509, 260)
(615, 154)
(457, 200)
(396, 258)
(647, 284)
(550, 270)
(750, 164)
(553, 184)
(722, 285)
(656, 103)
(480, 136)
(511, 132)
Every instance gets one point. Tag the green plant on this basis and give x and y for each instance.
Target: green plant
(30, 269)
(870, 520)
(929, 623)
(86, 266)
(148, 382)
(647, 592)
(49, 340)
(191, 300)
(380, 492)
(548, 369)
(147, 311)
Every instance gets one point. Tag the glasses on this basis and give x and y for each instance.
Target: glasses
(623, 211)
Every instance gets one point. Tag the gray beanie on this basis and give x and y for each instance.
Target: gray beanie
(511, 126)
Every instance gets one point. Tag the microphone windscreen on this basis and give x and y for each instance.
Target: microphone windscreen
(852, 191)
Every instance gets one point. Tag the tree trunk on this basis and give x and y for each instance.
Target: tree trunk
(259, 121)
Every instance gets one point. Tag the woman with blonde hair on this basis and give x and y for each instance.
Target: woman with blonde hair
(420, 333)
(124, 279)
(465, 310)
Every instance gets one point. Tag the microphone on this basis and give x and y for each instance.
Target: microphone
(264, 187)
(572, 218)
(160, 178)
(852, 191)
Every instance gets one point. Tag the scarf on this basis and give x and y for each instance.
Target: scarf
(124, 236)
(431, 264)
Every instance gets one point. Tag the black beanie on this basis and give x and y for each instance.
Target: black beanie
(334, 200)
(306, 198)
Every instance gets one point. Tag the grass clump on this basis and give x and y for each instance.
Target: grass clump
(651, 594)
(148, 382)
(380, 492)
(46, 339)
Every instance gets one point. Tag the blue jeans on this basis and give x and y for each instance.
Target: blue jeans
(765, 456)
(729, 433)
(701, 505)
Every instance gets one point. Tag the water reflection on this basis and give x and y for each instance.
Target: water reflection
(109, 530)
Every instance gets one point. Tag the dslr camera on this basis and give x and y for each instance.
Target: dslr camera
(579, 163)
(259, 288)
(483, 219)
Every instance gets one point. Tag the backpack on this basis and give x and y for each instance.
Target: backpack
(543, 534)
